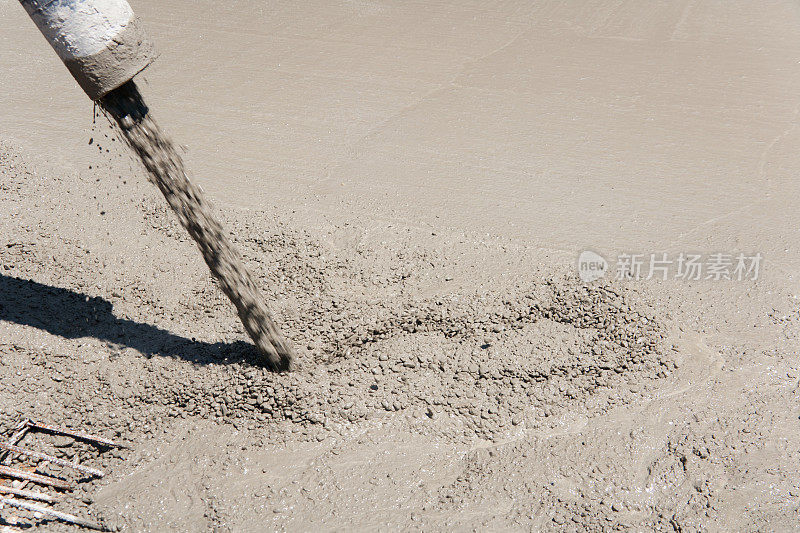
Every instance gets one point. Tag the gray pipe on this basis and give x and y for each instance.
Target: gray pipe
(101, 42)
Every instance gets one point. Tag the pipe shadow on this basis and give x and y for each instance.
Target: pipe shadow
(73, 315)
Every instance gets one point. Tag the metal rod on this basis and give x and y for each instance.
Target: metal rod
(75, 434)
(31, 495)
(50, 459)
(36, 478)
(19, 432)
(66, 517)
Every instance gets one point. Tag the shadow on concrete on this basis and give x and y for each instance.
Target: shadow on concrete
(73, 315)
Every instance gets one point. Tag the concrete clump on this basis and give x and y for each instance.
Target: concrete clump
(439, 359)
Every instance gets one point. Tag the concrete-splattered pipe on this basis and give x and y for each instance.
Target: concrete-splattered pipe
(100, 41)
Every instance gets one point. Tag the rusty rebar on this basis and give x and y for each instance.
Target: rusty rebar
(19, 432)
(36, 478)
(50, 459)
(74, 434)
(66, 517)
(29, 494)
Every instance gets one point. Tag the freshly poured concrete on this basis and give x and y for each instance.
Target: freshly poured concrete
(520, 135)
(571, 125)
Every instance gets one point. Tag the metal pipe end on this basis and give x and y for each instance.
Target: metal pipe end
(124, 57)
